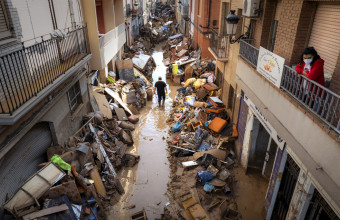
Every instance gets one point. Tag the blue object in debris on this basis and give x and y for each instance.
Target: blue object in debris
(208, 187)
(176, 127)
(205, 176)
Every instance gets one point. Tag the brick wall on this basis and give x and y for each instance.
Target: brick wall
(335, 82)
(287, 28)
(302, 35)
(203, 22)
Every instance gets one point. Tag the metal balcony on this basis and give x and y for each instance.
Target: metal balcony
(319, 100)
(25, 73)
(218, 46)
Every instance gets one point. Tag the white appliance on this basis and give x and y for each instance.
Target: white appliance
(251, 8)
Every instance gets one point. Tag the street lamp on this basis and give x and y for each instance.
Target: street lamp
(232, 21)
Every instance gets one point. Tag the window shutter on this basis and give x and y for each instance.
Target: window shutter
(4, 29)
(325, 36)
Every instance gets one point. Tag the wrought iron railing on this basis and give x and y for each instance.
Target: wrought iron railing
(218, 45)
(248, 52)
(317, 98)
(322, 102)
(24, 73)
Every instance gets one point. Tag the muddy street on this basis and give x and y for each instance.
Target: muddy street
(146, 184)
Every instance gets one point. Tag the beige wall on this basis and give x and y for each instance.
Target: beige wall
(312, 145)
(89, 8)
(109, 15)
(119, 12)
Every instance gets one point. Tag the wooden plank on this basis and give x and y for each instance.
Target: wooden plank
(102, 150)
(45, 212)
(121, 114)
(119, 100)
(103, 104)
(98, 183)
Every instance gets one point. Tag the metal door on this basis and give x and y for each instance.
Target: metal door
(319, 209)
(23, 159)
(286, 190)
(325, 35)
(242, 119)
(258, 146)
(269, 158)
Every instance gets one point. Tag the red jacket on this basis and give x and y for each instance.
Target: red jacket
(316, 72)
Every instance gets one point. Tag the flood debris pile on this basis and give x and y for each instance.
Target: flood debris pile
(158, 29)
(184, 62)
(201, 153)
(80, 179)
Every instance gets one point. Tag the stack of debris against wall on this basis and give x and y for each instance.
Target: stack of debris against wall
(184, 62)
(79, 180)
(201, 151)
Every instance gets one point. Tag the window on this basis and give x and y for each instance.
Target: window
(74, 97)
(231, 97)
(219, 78)
(272, 35)
(225, 12)
(4, 24)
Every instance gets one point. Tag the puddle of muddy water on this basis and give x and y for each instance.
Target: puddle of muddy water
(146, 183)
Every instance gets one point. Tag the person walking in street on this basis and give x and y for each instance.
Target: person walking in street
(161, 90)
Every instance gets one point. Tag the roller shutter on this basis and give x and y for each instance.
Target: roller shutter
(23, 159)
(4, 30)
(325, 35)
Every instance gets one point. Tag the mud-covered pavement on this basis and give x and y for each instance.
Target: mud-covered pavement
(146, 183)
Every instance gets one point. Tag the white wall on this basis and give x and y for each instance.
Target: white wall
(246, 139)
(36, 20)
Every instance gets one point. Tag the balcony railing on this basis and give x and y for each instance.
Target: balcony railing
(24, 73)
(249, 53)
(218, 45)
(322, 102)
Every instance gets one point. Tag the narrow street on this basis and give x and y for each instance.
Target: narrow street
(146, 183)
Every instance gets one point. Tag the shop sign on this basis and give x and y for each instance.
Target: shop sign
(270, 66)
(272, 132)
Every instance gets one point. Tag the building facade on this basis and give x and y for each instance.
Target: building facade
(204, 20)
(44, 55)
(106, 28)
(287, 133)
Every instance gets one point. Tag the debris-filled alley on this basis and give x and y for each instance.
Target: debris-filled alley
(148, 112)
(173, 161)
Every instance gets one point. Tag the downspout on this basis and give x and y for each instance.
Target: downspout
(209, 15)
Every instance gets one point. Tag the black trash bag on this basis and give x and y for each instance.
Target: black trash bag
(206, 160)
(183, 153)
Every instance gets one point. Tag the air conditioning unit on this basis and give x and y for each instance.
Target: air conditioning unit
(251, 8)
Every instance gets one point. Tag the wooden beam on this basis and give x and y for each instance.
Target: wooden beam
(47, 211)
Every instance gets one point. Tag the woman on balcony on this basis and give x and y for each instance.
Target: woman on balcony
(311, 66)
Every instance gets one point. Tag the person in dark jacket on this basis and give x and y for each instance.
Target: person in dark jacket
(312, 66)
(161, 90)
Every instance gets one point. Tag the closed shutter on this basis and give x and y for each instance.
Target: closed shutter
(23, 159)
(325, 35)
(4, 29)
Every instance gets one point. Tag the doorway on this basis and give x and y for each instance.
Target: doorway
(262, 151)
